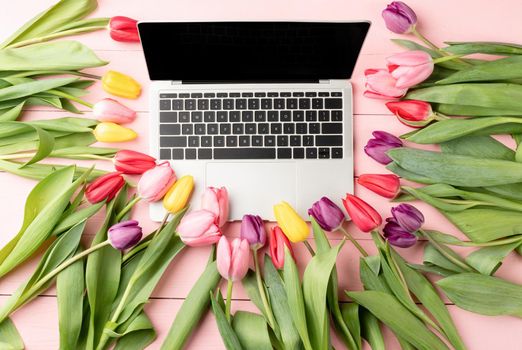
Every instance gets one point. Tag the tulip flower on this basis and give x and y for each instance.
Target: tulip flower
(125, 235)
(361, 213)
(412, 112)
(397, 235)
(109, 110)
(294, 227)
(277, 242)
(410, 68)
(327, 214)
(216, 200)
(119, 84)
(253, 230)
(110, 132)
(154, 183)
(232, 259)
(104, 188)
(381, 84)
(198, 228)
(408, 217)
(382, 142)
(132, 162)
(178, 195)
(386, 185)
(124, 29)
(399, 18)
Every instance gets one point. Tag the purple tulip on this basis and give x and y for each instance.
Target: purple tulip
(125, 234)
(399, 17)
(327, 214)
(253, 230)
(380, 144)
(408, 217)
(397, 235)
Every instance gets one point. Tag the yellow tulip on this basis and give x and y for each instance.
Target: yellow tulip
(111, 132)
(179, 194)
(293, 226)
(119, 84)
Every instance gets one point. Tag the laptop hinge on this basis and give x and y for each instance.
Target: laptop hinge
(293, 81)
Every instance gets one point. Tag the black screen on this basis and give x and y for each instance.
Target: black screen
(251, 51)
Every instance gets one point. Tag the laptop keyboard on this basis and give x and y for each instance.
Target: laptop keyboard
(248, 125)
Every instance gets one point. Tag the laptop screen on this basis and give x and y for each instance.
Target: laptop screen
(251, 51)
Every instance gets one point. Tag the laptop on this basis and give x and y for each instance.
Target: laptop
(262, 108)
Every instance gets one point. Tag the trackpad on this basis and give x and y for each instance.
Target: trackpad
(254, 187)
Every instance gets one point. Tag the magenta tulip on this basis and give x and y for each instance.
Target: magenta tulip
(125, 234)
(215, 200)
(198, 228)
(327, 214)
(382, 142)
(155, 182)
(253, 230)
(410, 68)
(381, 84)
(109, 110)
(233, 258)
(408, 217)
(397, 235)
(399, 18)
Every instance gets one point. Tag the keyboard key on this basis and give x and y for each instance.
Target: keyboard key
(324, 153)
(285, 116)
(284, 153)
(247, 116)
(301, 128)
(257, 141)
(244, 141)
(193, 141)
(219, 141)
(187, 129)
(177, 105)
(177, 153)
(332, 128)
(165, 105)
(311, 153)
(225, 129)
(168, 95)
(285, 94)
(314, 128)
(304, 103)
(173, 141)
(204, 153)
(337, 94)
(310, 94)
(190, 104)
(222, 117)
(169, 117)
(311, 116)
(269, 141)
(298, 153)
(317, 103)
(308, 140)
(282, 141)
(333, 103)
(215, 104)
(263, 128)
(196, 95)
(211, 94)
(298, 116)
(337, 152)
(197, 117)
(260, 116)
(235, 94)
(184, 95)
(234, 116)
(190, 153)
(323, 140)
(337, 116)
(231, 141)
(199, 129)
(291, 103)
(237, 129)
(250, 128)
(324, 116)
(260, 94)
(273, 94)
(228, 103)
(184, 117)
(165, 153)
(295, 140)
(279, 103)
(241, 103)
(244, 153)
(222, 94)
(289, 128)
(324, 94)
(253, 103)
(206, 141)
(209, 117)
(170, 129)
(276, 128)
(266, 103)
(212, 129)
(247, 94)
(203, 104)
(273, 116)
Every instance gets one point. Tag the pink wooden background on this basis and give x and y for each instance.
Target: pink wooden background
(440, 20)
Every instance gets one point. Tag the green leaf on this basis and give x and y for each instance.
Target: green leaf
(501, 69)
(251, 330)
(69, 124)
(371, 330)
(409, 175)
(483, 294)
(12, 113)
(249, 283)
(138, 335)
(350, 314)
(41, 171)
(487, 260)
(71, 219)
(10, 339)
(474, 111)
(433, 257)
(225, 329)
(478, 146)
(192, 309)
(493, 48)
(392, 313)
(32, 87)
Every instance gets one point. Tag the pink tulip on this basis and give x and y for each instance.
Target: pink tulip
(198, 228)
(154, 183)
(215, 200)
(109, 110)
(382, 85)
(410, 68)
(233, 258)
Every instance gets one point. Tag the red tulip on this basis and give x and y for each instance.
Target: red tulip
(361, 213)
(277, 241)
(104, 188)
(132, 162)
(124, 29)
(412, 112)
(386, 185)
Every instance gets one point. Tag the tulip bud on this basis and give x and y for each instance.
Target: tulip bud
(327, 214)
(216, 200)
(380, 84)
(232, 258)
(132, 162)
(198, 228)
(119, 84)
(399, 18)
(104, 188)
(253, 230)
(109, 110)
(124, 29)
(410, 68)
(125, 235)
(110, 132)
(179, 194)
(408, 217)
(154, 183)
(380, 144)
(412, 112)
(294, 227)
(361, 213)
(398, 236)
(277, 242)
(386, 185)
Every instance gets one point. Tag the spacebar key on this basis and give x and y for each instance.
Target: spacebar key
(244, 153)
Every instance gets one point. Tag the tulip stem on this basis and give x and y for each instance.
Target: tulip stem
(309, 247)
(230, 284)
(56, 35)
(446, 254)
(435, 47)
(262, 292)
(71, 97)
(128, 207)
(363, 252)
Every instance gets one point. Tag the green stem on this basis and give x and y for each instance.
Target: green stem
(70, 97)
(425, 40)
(440, 116)
(54, 72)
(448, 256)
(135, 251)
(446, 58)
(497, 242)
(128, 207)
(363, 252)
(262, 292)
(55, 36)
(74, 156)
(230, 284)
(309, 247)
